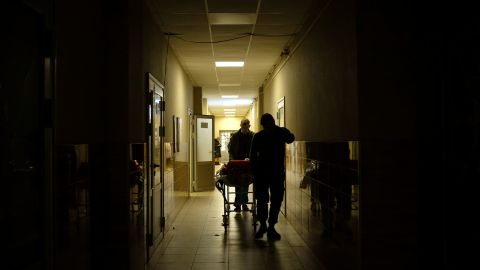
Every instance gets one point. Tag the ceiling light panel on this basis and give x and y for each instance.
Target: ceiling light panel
(228, 84)
(229, 63)
(229, 102)
(232, 18)
(226, 20)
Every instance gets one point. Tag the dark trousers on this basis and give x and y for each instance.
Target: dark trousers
(241, 195)
(269, 190)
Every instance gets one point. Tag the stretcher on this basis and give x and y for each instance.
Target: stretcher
(233, 174)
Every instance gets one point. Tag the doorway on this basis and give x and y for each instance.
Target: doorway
(224, 140)
(155, 165)
(280, 121)
(281, 112)
(204, 158)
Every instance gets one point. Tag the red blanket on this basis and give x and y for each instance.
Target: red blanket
(237, 167)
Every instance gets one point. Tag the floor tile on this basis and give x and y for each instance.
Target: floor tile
(198, 240)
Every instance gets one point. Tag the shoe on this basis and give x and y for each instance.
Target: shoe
(237, 209)
(272, 234)
(262, 230)
(245, 207)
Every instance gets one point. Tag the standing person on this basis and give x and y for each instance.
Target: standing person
(267, 158)
(239, 149)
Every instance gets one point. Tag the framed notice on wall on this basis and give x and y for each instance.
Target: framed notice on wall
(176, 133)
(178, 125)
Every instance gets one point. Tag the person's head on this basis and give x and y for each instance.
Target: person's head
(245, 125)
(267, 120)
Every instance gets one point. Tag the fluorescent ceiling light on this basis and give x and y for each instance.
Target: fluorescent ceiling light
(232, 18)
(231, 110)
(229, 102)
(229, 63)
(229, 113)
(228, 84)
(231, 96)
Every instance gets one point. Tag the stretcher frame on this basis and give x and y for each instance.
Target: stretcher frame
(226, 191)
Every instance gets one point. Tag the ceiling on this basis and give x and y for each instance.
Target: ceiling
(253, 31)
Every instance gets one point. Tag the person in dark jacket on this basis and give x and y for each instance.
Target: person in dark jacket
(239, 149)
(267, 157)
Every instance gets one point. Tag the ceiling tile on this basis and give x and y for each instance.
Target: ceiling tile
(280, 19)
(285, 6)
(183, 19)
(192, 21)
(232, 6)
(230, 31)
(183, 6)
(189, 32)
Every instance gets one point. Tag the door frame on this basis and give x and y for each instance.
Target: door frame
(154, 88)
(195, 150)
(280, 119)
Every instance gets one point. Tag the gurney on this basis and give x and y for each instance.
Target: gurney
(233, 174)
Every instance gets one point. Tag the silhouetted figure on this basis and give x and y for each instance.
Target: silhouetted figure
(239, 149)
(267, 157)
(218, 147)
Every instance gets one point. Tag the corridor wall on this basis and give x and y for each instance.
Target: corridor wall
(348, 80)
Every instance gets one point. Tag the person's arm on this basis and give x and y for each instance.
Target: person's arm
(287, 135)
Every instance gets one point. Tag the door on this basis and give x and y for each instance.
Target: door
(204, 153)
(156, 133)
(281, 123)
(281, 112)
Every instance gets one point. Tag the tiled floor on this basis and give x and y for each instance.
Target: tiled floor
(197, 240)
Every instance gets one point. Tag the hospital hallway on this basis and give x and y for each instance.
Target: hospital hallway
(198, 241)
(117, 117)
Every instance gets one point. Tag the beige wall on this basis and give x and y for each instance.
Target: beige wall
(350, 79)
(252, 115)
(226, 123)
(178, 91)
(179, 98)
(205, 110)
(319, 80)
